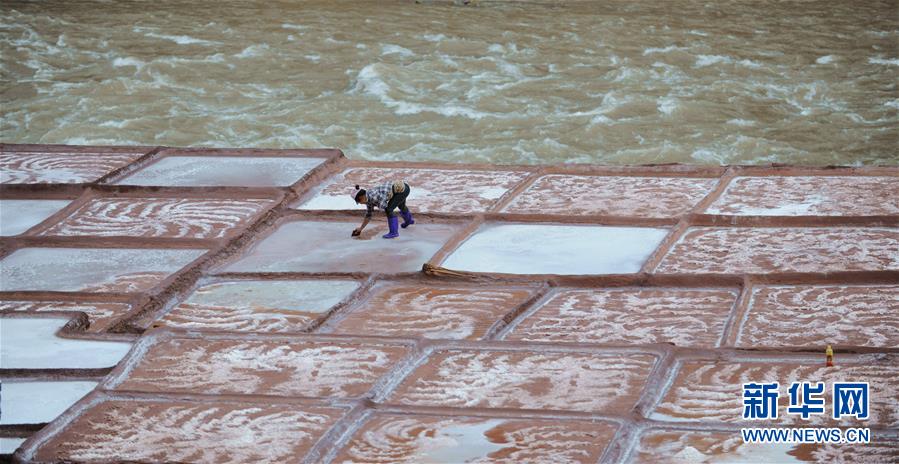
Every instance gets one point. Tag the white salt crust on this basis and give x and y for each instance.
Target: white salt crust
(74, 269)
(187, 171)
(554, 249)
(17, 216)
(39, 402)
(33, 344)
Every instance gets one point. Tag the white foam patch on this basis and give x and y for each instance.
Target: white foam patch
(223, 171)
(886, 61)
(710, 60)
(741, 122)
(178, 39)
(33, 344)
(555, 249)
(668, 49)
(434, 37)
(313, 296)
(667, 105)
(825, 59)
(371, 81)
(253, 51)
(390, 49)
(706, 155)
(127, 61)
(17, 216)
(38, 402)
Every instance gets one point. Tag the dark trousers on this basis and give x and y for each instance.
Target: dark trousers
(398, 200)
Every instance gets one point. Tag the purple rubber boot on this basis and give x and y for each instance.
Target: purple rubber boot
(407, 219)
(393, 222)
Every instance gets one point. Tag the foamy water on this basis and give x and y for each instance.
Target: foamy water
(522, 82)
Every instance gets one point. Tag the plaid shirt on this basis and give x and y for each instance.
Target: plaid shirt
(378, 197)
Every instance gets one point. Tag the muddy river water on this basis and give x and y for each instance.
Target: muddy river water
(811, 82)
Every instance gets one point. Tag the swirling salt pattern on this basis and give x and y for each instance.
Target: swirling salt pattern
(821, 315)
(783, 249)
(158, 217)
(431, 312)
(614, 82)
(573, 382)
(274, 368)
(59, 168)
(655, 197)
(188, 432)
(682, 317)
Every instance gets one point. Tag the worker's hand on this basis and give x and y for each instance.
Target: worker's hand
(357, 232)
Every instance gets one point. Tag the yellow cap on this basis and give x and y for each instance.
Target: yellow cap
(828, 351)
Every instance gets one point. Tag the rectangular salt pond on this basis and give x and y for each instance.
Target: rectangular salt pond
(472, 191)
(556, 249)
(17, 216)
(38, 402)
(33, 344)
(809, 196)
(90, 269)
(206, 171)
(259, 306)
(307, 246)
(314, 296)
(455, 439)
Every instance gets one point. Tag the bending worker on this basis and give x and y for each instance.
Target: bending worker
(387, 197)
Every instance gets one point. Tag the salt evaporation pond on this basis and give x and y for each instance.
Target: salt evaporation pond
(292, 295)
(206, 171)
(305, 246)
(259, 306)
(555, 249)
(446, 439)
(472, 191)
(33, 344)
(809, 196)
(39, 402)
(17, 216)
(90, 269)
